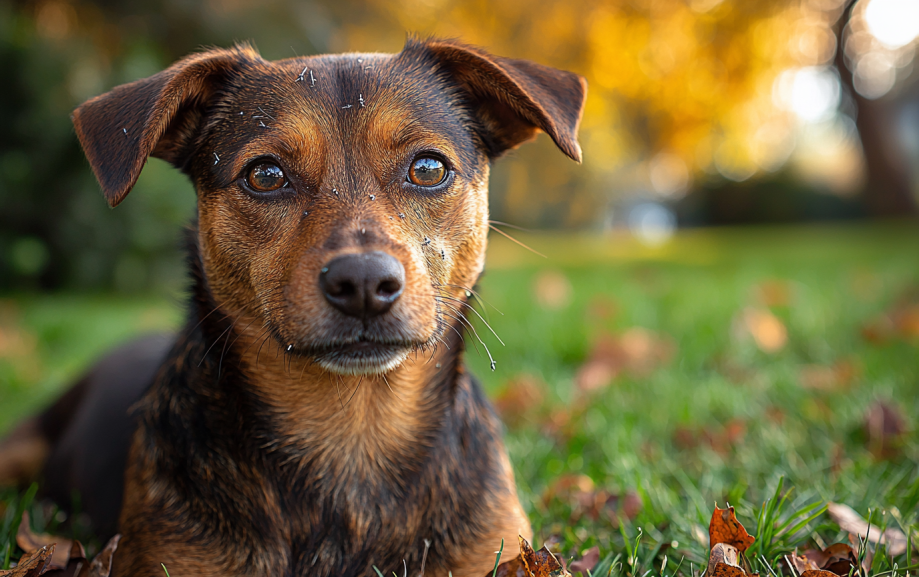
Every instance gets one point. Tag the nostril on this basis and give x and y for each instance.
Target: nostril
(389, 288)
(344, 288)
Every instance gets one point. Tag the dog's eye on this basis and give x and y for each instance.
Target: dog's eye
(427, 171)
(266, 177)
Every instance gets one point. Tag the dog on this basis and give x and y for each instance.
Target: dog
(313, 416)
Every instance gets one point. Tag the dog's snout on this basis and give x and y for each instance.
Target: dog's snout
(362, 285)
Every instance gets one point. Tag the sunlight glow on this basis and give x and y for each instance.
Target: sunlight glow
(812, 92)
(894, 22)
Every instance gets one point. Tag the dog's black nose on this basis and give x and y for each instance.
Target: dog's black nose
(362, 285)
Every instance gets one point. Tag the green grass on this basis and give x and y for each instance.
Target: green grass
(768, 428)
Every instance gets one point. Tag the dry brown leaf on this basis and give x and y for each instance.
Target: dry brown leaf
(828, 378)
(838, 558)
(31, 564)
(540, 563)
(568, 488)
(901, 321)
(802, 563)
(521, 395)
(75, 564)
(850, 521)
(725, 528)
(885, 428)
(29, 541)
(530, 563)
(774, 293)
(588, 561)
(721, 439)
(552, 290)
(637, 351)
(101, 565)
(579, 492)
(722, 561)
(725, 570)
(768, 332)
(818, 573)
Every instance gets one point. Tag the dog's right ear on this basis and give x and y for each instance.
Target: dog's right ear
(157, 116)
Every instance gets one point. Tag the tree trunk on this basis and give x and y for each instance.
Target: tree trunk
(887, 191)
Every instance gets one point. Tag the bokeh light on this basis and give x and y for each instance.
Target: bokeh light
(894, 22)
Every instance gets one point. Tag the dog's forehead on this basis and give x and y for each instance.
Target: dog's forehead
(380, 97)
(349, 88)
(357, 100)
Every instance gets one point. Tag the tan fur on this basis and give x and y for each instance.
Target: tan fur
(344, 136)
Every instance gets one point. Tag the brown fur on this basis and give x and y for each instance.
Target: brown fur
(254, 454)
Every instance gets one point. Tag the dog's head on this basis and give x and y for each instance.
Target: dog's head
(342, 200)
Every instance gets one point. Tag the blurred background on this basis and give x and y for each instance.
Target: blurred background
(728, 287)
(700, 112)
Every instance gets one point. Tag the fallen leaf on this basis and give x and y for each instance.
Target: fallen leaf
(900, 321)
(521, 395)
(75, 564)
(774, 293)
(838, 558)
(31, 564)
(552, 290)
(802, 563)
(579, 493)
(850, 521)
(540, 563)
(588, 561)
(817, 573)
(529, 563)
(828, 378)
(885, 428)
(101, 565)
(725, 528)
(568, 488)
(637, 351)
(721, 439)
(767, 330)
(722, 561)
(512, 568)
(562, 422)
(29, 541)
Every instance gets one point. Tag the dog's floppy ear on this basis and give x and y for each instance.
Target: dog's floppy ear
(514, 98)
(157, 116)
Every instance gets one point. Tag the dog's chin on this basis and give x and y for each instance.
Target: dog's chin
(363, 358)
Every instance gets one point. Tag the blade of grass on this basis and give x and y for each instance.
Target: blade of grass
(24, 502)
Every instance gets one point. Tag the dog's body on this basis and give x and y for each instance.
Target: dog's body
(314, 417)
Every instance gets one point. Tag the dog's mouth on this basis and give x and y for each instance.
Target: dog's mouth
(361, 357)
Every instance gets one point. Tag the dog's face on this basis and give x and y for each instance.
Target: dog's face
(342, 200)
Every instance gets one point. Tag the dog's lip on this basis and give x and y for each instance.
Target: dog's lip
(355, 346)
(362, 356)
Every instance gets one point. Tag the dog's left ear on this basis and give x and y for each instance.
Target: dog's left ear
(513, 98)
(156, 116)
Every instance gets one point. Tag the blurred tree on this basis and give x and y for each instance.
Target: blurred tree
(887, 190)
(683, 94)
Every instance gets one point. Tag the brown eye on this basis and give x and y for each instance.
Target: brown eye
(427, 171)
(266, 177)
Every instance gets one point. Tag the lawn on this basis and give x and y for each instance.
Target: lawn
(641, 386)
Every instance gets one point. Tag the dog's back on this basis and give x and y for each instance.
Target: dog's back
(79, 445)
